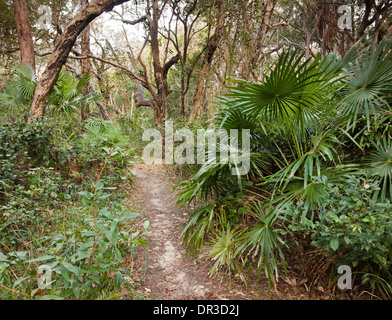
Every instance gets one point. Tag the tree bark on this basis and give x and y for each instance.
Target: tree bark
(212, 45)
(25, 36)
(85, 63)
(160, 70)
(63, 48)
(365, 19)
(262, 34)
(102, 109)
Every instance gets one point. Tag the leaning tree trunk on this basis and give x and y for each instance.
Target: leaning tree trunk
(63, 48)
(25, 36)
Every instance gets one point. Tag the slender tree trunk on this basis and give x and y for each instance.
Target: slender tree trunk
(160, 105)
(365, 19)
(183, 94)
(262, 35)
(25, 36)
(63, 48)
(102, 109)
(308, 44)
(199, 92)
(160, 69)
(212, 45)
(85, 63)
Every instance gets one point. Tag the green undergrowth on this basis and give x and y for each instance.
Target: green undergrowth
(66, 229)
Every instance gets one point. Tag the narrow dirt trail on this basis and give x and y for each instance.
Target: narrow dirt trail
(170, 274)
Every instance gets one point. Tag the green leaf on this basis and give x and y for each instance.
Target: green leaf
(129, 216)
(104, 196)
(19, 281)
(139, 241)
(71, 268)
(76, 289)
(100, 185)
(50, 297)
(42, 258)
(89, 233)
(112, 235)
(118, 279)
(3, 257)
(334, 244)
(105, 212)
(65, 273)
(86, 194)
(118, 254)
(81, 256)
(243, 210)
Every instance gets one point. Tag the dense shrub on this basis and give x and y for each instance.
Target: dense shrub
(352, 225)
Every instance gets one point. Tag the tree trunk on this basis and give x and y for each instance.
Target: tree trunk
(212, 45)
(199, 92)
(365, 19)
(25, 36)
(262, 34)
(183, 94)
(160, 69)
(160, 105)
(85, 63)
(102, 109)
(63, 48)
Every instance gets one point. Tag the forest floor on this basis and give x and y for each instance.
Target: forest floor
(167, 273)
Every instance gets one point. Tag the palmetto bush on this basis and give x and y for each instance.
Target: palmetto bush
(65, 99)
(18, 92)
(306, 120)
(67, 95)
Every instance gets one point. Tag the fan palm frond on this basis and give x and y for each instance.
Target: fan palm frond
(292, 96)
(381, 166)
(262, 240)
(367, 81)
(19, 91)
(222, 251)
(67, 95)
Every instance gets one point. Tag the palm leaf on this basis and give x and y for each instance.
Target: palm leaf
(381, 166)
(292, 96)
(367, 81)
(262, 240)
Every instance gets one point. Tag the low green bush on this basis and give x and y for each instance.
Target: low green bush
(352, 225)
